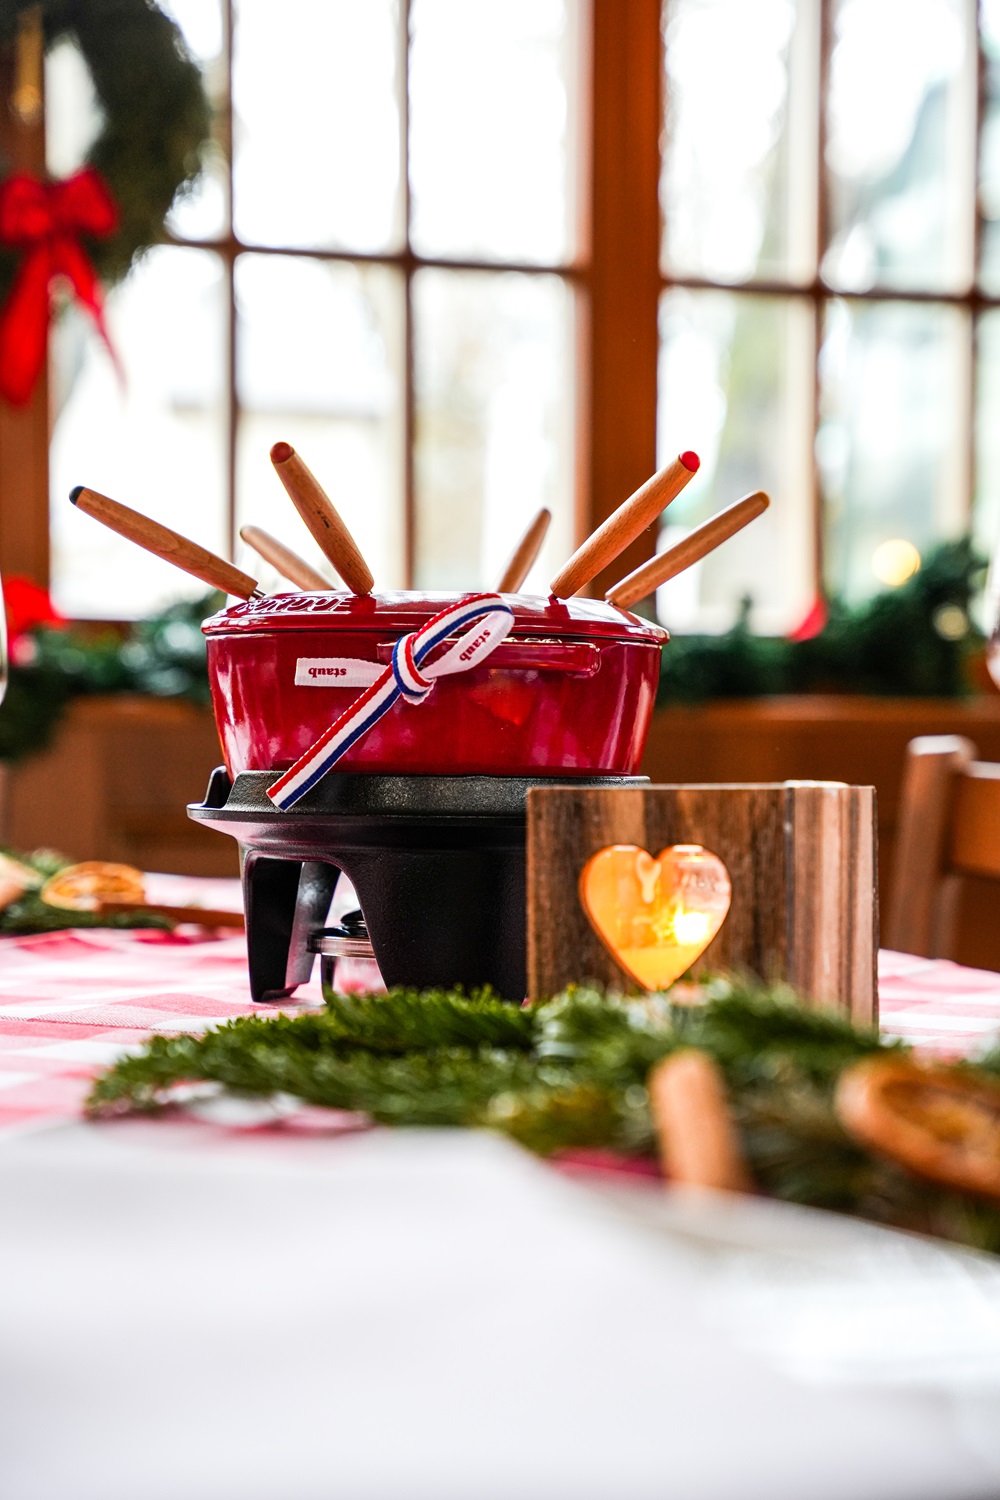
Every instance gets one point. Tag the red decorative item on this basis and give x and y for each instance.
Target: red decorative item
(46, 220)
(27, 605)
(813, 623)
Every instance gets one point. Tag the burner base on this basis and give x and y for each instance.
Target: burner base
(438, 864)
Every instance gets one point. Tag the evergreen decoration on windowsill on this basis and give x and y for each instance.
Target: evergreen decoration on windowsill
(571, 1074)
(911, 641)
(52, 663)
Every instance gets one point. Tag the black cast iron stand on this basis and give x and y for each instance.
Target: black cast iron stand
(438, 864)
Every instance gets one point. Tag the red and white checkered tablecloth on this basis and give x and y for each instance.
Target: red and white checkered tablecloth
(71, 1002)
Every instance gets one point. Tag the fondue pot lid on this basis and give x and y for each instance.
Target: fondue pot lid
(405, 611)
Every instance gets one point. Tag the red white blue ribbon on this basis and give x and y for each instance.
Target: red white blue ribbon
(489, 621)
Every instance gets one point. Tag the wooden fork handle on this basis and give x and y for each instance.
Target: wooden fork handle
(703, 540)
(318, 512)
(162, 542)
(628, 521)
(521, 559)
(288, 563)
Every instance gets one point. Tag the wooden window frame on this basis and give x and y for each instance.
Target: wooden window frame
(614, 276)
(819, 293)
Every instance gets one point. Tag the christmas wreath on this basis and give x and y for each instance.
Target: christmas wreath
(90, 228)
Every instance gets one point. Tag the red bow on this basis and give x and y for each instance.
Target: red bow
(45, 219)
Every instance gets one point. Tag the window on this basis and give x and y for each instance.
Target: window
(472, 257)
(830, 312)
(380, 265)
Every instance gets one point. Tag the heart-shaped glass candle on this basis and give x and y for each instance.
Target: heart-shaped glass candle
(655, 916)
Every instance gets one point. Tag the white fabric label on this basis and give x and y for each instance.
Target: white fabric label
(336, 671)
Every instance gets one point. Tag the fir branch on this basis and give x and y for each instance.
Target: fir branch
(569, 1073)
(895, 644)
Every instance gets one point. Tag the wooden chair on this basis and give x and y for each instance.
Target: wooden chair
(948, 827)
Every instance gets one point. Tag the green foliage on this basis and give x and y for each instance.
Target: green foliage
(156, 116)
(163, 656)
(569, 1073)
(31, 914)
(910, 641)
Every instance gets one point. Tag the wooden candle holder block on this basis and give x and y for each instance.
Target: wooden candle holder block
(802, 858)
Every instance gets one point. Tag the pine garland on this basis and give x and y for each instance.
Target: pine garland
(163, 656)
(911, 641)
(566, 1074)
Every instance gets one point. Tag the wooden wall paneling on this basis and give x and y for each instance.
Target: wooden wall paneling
(618, 426)
(115, 785)
(803, 869)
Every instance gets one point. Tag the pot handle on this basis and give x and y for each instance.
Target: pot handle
(578, 658)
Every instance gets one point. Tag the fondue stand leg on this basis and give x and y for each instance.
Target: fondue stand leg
(703, 540)
(621, 528)
(170, 545)
(288, 563)
(316, 509)
(523, 556)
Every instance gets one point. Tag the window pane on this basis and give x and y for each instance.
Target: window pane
(316, 124)
(987, 511)
(491, 130)
(158, 443)
(735, 384)
(318, 366)
(989, 178)
(901, 145)
(203, 213)
(739, 162)
(890, 442)
(494, 393)
(72, 113)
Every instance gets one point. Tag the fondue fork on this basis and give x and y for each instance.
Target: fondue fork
(703, 540)
(317, 510)
(624, 525)
(288, 563)
(520, 562)
(189, 556)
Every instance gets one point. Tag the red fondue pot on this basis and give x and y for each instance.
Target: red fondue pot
(569, 692)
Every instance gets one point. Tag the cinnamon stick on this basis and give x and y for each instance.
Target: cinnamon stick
(202, 916)
(699, 1146)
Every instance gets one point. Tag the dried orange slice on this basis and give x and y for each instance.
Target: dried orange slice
(942, 1123)
(83, 887)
